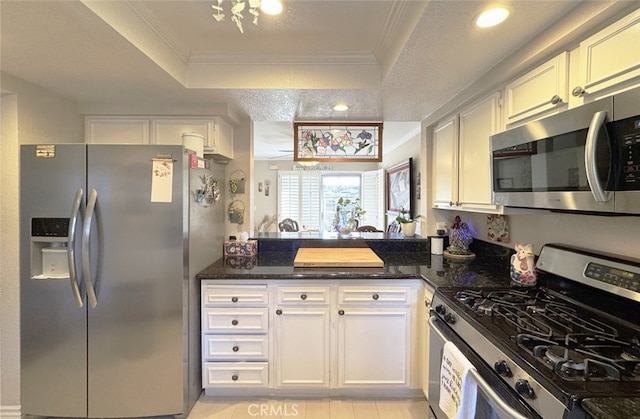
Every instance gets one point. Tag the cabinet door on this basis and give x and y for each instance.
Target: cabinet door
(302, 350)
(445, 163)
(222, 144)
(169, 131)
(100, 130)
(609, 60)
(540, 92)
(374, 347)
(477, 124)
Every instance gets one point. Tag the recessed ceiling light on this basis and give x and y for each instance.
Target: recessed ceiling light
(271, 7)
(340, 107)
(492, 17)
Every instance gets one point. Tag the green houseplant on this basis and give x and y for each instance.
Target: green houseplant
(407, 224)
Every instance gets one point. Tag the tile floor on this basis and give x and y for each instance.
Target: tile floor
(216, 408)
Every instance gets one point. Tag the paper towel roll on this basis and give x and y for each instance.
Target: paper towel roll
(194, 142)
(437, 244)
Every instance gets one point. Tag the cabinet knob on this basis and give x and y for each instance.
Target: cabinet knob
(235, 348)
(555, 99)
(234, 299)
(234, 377)
(234, 322)
(375, 296)
(278, 312)
(341, 312)
(578, 91)
(303, 296)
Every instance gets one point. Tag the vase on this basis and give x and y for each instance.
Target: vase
(459, 240)
(408, 229)
(345, 230)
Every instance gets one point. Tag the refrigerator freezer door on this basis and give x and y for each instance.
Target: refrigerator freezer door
(135, 340)
(53, 327)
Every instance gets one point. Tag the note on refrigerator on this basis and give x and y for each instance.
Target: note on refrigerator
(162, 180)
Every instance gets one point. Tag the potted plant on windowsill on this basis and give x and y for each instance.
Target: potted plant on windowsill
(407, 224)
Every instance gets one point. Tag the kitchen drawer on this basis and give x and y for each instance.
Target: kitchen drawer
(303, 295)
(235, 374)
(235, 320)
(234, 295)
(373, 294)
(235, 347)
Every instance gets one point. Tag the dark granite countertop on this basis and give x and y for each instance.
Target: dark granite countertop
(489, 268)
(612, 408)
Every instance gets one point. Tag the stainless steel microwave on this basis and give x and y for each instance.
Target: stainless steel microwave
(586, 159)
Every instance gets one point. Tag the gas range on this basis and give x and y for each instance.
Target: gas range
(575, 336)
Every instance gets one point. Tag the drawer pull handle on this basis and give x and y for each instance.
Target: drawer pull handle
(278, 312)
(234, 299)
(236, 348)
(303, 296)
(341, 312)
(234, 322)
(376, 296)
(234, 377)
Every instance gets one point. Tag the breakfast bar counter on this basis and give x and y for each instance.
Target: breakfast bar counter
(407, 260)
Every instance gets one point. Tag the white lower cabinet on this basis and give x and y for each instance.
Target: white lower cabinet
(374, 347)
(302, 346)
(319, 336)
(235, 340)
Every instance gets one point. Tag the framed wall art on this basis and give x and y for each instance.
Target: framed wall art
(337, 141)
(400, 187)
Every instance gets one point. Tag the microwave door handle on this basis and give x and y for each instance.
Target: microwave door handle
(86, 237)
(71, 248)
(484, 387)
(599, 194)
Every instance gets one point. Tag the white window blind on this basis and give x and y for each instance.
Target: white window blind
(299, 198)
(288, 196)
(373, 198)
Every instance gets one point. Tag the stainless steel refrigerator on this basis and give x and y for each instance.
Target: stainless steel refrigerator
(111, 239)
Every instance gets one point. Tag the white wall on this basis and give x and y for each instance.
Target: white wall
(30, 114)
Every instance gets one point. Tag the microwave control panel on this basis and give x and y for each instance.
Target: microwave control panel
(629, 134)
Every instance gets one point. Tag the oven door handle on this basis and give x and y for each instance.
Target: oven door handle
(484, 387)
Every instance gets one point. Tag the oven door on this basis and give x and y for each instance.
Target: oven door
(495, 400)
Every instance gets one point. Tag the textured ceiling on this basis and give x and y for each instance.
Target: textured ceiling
(392, 61)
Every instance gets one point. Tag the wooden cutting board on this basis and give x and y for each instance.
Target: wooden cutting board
(347, 257)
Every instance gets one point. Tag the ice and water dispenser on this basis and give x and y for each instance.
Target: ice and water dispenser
(49, 252)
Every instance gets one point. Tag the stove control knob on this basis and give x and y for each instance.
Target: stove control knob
(502, 368)
(440, 309)
(449, 318)
(524, 389)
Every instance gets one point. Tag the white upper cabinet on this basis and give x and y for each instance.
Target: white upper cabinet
(477, 124)
(445, 163)
(538, 93)
(462, 157)
(169, 130)
(608, 61)
(217, 133)
(116, 130)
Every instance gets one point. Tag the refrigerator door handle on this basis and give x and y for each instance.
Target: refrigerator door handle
(86, 236)
(71, 248)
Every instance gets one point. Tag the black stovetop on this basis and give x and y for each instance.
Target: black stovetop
(579, 350)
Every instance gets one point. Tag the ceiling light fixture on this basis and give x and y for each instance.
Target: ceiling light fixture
(492, 17)
(270, 7)
(340, 107)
